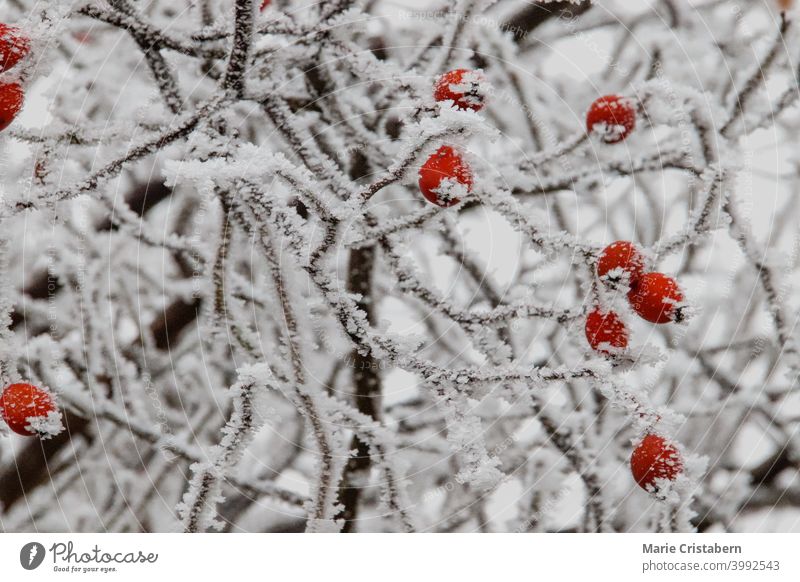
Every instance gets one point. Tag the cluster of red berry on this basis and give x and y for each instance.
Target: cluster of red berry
(14, 46)
(446, 167)
(655, 297)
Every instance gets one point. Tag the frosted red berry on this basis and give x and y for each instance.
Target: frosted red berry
(14, 46)
(657, 298)
(443, 170)
(20, 403)
(653, 459)
(612, 118)
(11, 98)
(462, 86)
(264, 4)
(619, 259)
(606, 332)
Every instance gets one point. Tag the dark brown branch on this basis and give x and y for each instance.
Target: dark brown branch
(367, 384)
(240, 51)
(765, 474)
(166, 328)
(534, 15)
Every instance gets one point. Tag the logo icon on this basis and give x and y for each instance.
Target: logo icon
(31, 555)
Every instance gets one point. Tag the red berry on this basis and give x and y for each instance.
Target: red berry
(654, 458)
(617, 260)
(656, 298)
(13, 46)
(440, 173)
(463, 87)
(264, 4)
(606, 330)
(23, 405)
(11, 97)
(83, 36)
(612, 117)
